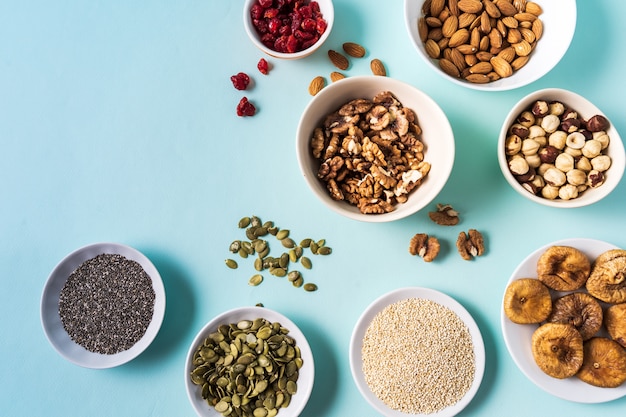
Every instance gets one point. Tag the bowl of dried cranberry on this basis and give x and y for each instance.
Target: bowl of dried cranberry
(374, 149)
(558, 149)
(288, 29)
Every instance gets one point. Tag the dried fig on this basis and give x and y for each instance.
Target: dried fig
(558, 349)
(527, 301)
(563, 268)
(604, 363)
(607, 281)
(615, 322)
(580, 310)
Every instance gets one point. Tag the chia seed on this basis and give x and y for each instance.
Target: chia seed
(107, 304)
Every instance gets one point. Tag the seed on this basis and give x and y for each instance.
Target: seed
(258, 264)
(338, 59)
(283, 233)
(293, 256)
(321, 242)
(243, 253)
(244, 222)
(231, 263)
(255, 280)
(293, 275)
(324, 250)
(378, 68)
(336, 76)
(314, 247)
(309, 286)
(284, 260)
(278, 271)
(298, 282)
(235, 246)
(354, 49)
(306, 262)
(306, 242)
(288, 243)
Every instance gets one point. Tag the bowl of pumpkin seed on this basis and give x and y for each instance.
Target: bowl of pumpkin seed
(249, 361)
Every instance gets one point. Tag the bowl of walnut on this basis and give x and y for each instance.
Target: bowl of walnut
(288, 29)
(374, 149)
(558, 149)
(491, 45)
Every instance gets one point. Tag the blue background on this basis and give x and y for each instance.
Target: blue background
(117, 123)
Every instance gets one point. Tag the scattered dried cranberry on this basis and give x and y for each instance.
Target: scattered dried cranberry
(240, 80)
(288, 26)
(263, 66)
(245, 108)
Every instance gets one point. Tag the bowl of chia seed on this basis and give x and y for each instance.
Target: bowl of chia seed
(102, 305)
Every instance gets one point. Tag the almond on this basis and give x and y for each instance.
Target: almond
(481, 67)
(459, 37)
(501, 67)
(470, 6)
(436, 7)
(537, 28)
(449, 68)
(377, 67)
(450, 25)
(354, 49)
(336, 76)
(467, 49)
(422, 28)
(525, 17)
(523, 48)
(491, 9)
(506, 8)
(508, 54)
(338, 59)
(466, 19)
(316, 85)
(478, 78)
(519, 62)
(533, 8)
(432, 49)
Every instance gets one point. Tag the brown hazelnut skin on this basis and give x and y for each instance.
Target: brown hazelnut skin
(520, 130)
(570, 125)
(595, 179)
(597, 123)
(548, 154)
(540, 108)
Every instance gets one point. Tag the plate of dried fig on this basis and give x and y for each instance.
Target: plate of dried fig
(537, 354)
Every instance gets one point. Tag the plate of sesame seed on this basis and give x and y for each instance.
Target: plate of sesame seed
(416, 351)
(102, 305)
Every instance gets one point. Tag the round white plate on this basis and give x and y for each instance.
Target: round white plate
(306, 374)
(518, 336)
(51, 320)
(378, 305)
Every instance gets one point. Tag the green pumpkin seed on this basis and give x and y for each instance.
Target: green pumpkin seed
(283, 261)
(306, 262)
(231, 263)
(283, 233)
(324, 250)
(235, 246)
(244, 222)
(309, 286)
(288, 242)
(305, 243)
(298, 282)
(258, 264)
(255, 221)
(255, 280)
(243, 253)
(293, 257)
(268, 224)
(293, 275)
(314, 247)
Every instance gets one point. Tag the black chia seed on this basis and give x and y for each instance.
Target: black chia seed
(107, 303)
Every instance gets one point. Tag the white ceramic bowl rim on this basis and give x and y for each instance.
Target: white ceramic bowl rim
(51, 321)
(434, 124)
(585, 109)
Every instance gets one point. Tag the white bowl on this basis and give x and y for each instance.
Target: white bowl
(585, 109)
(356, 343)
(559, 21)
(328, 13)
(437, 137)
(306, 374)
(51, 320)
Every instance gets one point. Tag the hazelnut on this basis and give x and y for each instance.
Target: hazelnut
(575, 140)
(564, 162)
(519, 130)
(576, 153)
(543, 168)
(530, 147)
(569, 114)
(597, 123)
(513, 145)
(568, 191)
(550, 123)
(570, 125)
(602, 137)
(557, 108)
(533, 160)
(536, 131)
(576, 177)
(592, 148)
(583, 164)
(555, 177)
(595, 179)
(518, 166)
(601, 163)
(550, 192)
(548, 154)
(557, 139)
(540, 108)
(528, 176)
(526, 119)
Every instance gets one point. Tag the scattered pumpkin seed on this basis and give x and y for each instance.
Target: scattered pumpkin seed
(314, 247)
(258, 264)
(231, 263)
(309, 286)
(283, 261)
(235, 246)
(283, 233)
(243, 253)
(306, 262)
(321, 242)
(298, 282)
(255, 280)
(306, 242)
(244, 222)
(324, 250)
(293, 275)
(255, 221)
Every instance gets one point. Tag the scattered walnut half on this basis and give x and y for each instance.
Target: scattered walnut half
(445, 215)
(471, 244)
(427, 247)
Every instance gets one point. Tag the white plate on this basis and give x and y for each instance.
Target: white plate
(378, 305)
(51, 320)
(306, 374)
(518, 336)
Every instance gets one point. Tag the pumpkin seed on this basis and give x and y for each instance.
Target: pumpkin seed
(283, 233)
(314, 247)
(306, 242)
(255, 221)
(244, 222)
(288, 242)
(235, 246)
(243, 253)
(231, 263)
(293, 256)
(298, 282)
(283, 261)
(309, 286)
(255, 280)
(324, 250)
(277, 271)
(258, 264)
(293, 275)
(306, 262)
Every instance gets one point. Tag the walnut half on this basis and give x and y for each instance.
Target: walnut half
(427, 247)
(471, 244)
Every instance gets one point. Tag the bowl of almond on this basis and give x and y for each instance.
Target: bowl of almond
(491, 45)
(374, 148)
(288, 29)
(558, 149)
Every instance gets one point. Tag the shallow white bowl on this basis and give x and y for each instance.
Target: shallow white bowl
(306, 375)
(356, 343)
(559, 21)
(437, 136)
(517, 337)
(51, 320)
(328, 12)
(585, 109)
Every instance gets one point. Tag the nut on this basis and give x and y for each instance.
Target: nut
(316, 85)
(377, 67)
(336, 76)
(445, 215)
(424, 246)
(354, 49)
(597, 123)
(338, 60)
(470, 245)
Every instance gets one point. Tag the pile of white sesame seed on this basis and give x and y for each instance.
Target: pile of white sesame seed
(418, 356)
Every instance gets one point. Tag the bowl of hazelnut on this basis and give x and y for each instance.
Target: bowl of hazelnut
(374, 148)
(558, 149)
(288, 29)
(491, 45)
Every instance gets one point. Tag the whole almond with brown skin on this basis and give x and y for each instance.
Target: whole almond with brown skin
(481, 68)
(501, 67)
(338, 59)
(491, 9)
(316, 85)
(470, 6)
(432, 49)
(377, 67)
(449, 68)
(450, 25)
(436, 7)
(336, 76)
(519, 62)
(459, 37)
(506, 8)
(354, 49)
(534, 8)
(478, 78)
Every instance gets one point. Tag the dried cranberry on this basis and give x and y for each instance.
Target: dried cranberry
(245, 108)
(265, 3)
(263, 66)
(240, 80)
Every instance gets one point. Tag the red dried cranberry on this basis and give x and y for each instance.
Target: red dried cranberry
(263, 66)
(265, 3)
(245, 108)
(240, 80)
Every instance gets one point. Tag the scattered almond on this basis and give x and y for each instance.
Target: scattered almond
(336, 76)
(501, 67)
(316, 85)
(354, 49)
(338, 60)
(377, 67)
(470, 6)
